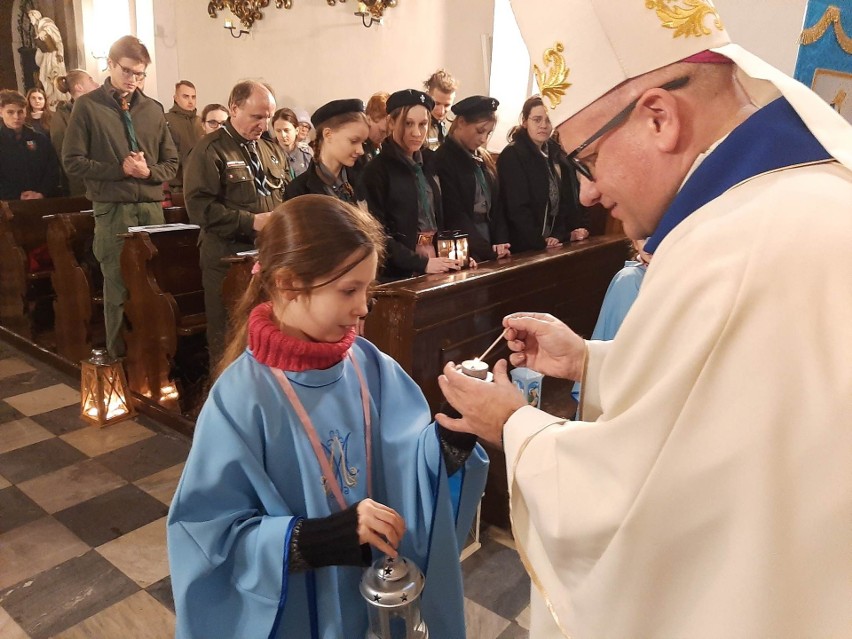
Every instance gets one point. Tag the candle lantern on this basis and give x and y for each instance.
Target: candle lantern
(454, 245)
(103, 391)
(392, 589)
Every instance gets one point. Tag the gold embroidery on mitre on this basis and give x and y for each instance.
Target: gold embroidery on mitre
(685, 17)
(552, 83)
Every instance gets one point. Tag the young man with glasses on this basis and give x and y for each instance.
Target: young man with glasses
(119, 144)
(706, 490)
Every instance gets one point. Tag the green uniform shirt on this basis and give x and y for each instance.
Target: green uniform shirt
(219, 186)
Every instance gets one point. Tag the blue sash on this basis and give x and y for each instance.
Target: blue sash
(773, 138)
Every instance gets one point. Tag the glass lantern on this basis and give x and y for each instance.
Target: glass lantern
(454, 245)
(392, 588)
(103, 390)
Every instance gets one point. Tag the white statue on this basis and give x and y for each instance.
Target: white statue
(50, 57)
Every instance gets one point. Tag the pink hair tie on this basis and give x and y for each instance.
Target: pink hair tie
(256, 268)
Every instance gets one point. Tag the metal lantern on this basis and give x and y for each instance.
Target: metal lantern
(392, 589)
(103, 391)
(454, 245)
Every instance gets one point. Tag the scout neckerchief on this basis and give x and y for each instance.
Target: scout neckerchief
(328, 478)
(339, 186)
(773, 138)
(124, 105)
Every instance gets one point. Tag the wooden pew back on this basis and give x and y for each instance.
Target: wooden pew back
(78, 284)
(165, 302)
(22, 231)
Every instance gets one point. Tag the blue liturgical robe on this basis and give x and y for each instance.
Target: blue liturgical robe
(252, 473)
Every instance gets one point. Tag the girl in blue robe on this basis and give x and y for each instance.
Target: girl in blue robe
(269, 531)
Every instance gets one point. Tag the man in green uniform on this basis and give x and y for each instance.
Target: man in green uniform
(185, 127)
(118, 143)
(233, 180)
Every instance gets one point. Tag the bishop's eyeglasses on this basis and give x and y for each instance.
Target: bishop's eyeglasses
(620, 118)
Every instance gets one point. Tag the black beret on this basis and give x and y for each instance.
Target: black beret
(336, 107)
(474, 105)
(409, 97)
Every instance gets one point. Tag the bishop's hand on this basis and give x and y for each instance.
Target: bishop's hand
(485, 406)
(541, 342)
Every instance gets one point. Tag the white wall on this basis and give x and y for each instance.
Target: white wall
(314, 53)
(768, 28)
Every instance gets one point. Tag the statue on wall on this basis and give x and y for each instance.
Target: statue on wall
(50, 56)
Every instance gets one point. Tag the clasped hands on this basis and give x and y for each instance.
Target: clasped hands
(134, 165)
(538, 341)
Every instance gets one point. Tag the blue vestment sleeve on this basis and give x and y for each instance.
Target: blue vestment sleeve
(228, 528)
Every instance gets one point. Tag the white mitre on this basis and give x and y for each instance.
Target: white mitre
(581, 49)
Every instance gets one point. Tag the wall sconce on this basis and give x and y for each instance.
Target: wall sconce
(103, 390)
(372, 11)
(230, 27)
(101, 57)
(454, 245)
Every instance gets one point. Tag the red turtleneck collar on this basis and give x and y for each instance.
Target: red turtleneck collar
(275, 349)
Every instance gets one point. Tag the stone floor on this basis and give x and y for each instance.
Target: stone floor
(82, 523)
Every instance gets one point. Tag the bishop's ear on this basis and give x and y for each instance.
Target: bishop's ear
(662, 117)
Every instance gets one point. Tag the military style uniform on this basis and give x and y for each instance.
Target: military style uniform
(222, 197)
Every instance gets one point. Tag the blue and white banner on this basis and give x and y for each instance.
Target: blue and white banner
(824, 62)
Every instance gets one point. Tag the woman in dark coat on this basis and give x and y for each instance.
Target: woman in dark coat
(537, 186)
(468, 177)
(402, 192)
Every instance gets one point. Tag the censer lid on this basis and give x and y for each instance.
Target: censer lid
(390, 583)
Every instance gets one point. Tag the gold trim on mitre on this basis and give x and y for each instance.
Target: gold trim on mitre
(552, 84)
(686, 20)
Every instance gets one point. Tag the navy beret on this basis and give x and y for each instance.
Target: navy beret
(409, 97)
(336, 107)
(474, 105)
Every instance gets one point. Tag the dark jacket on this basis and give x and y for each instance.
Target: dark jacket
(186, 130)
(96, 145)
(455, 168)
(220, 192)
(74, 186)
(390, 185)
(310, 182)
(27, 163)
(524, 191)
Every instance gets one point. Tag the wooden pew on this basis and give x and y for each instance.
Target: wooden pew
(164, 309)
(78, 282)
(25, 293)
(238, 278)
(427, 321)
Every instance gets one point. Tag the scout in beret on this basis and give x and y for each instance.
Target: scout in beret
(402, 192)
(468, 175)
(341, 130)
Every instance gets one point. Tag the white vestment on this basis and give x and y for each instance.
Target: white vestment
(708, 493)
